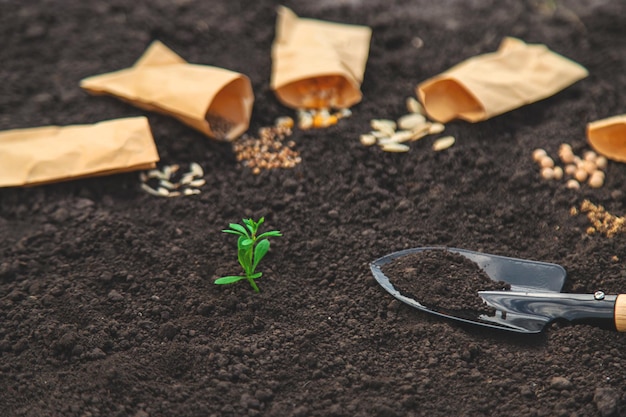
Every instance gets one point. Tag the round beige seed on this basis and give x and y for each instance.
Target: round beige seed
(572, 184)
(581, 175)
(567, 157)
(558, 173)
(539, 154)
(570, 169)
(590, 156)
(547, 173)
(596, 180)
(443, 143)
(546, 162)
(589, 166)
(601, 162)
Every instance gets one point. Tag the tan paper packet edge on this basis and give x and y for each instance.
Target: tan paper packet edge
(48, 154)
(212, 100)
(318, 64)
(608, 137)
(491, 84)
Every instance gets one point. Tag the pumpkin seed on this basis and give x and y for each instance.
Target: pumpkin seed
(436, 128)
(368, 139)
(196, 169)
(443, 143)
(411, 121)
(198, 183)
(414, 106)
(395, 147)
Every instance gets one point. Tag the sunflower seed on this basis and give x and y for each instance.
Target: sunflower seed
(411, 121)
(196, 169)
(160, 192)
(174, 194)
(443, 143)
(167, 184)
(197, 183)
(394, 147)
(398, 137)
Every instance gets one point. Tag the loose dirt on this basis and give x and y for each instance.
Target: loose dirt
(107, 301)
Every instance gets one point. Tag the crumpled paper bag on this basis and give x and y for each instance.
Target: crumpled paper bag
(608, 137)
(318, 64)
(53, 153)
(215, 101)
(491, 84)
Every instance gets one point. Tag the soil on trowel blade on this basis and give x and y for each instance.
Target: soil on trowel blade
(442, 280)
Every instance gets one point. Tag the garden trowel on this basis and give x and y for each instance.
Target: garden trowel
(533, 301)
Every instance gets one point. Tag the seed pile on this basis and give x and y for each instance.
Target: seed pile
(169, 182)
(268, 151)
(393, 136)
(601, 220)
(590, 168)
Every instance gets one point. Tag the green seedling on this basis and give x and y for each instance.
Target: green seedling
(251, 248)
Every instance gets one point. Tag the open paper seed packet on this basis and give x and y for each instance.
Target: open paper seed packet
(53, 153)
(608, 137)
(491, 84)
(215, 101)
(318, 64)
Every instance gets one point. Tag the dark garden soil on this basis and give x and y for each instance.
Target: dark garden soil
(442, 281)
(107, 301)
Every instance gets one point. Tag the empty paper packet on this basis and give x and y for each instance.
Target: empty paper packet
(215, 101)
(318, 64)
(53, 153)
(491, 84)
(608, 137)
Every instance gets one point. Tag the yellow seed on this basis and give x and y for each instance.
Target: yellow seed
(539, 154)
(443, 143)
(601, 162)
(284, 121)
(567, 157)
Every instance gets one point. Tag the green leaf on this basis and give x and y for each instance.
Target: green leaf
(259, 252)
(244, 256)
(245, 243)
(268, 234)
(251, 225)
(239, 228)
(234, 232)
(255, 276)
(229, 279)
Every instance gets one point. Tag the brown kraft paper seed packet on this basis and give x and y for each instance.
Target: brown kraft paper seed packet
(215, 101)
(608, 137)
(491, 84)
(53, 153)
(318, 64)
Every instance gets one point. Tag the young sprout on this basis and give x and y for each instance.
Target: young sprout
(251, 248)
